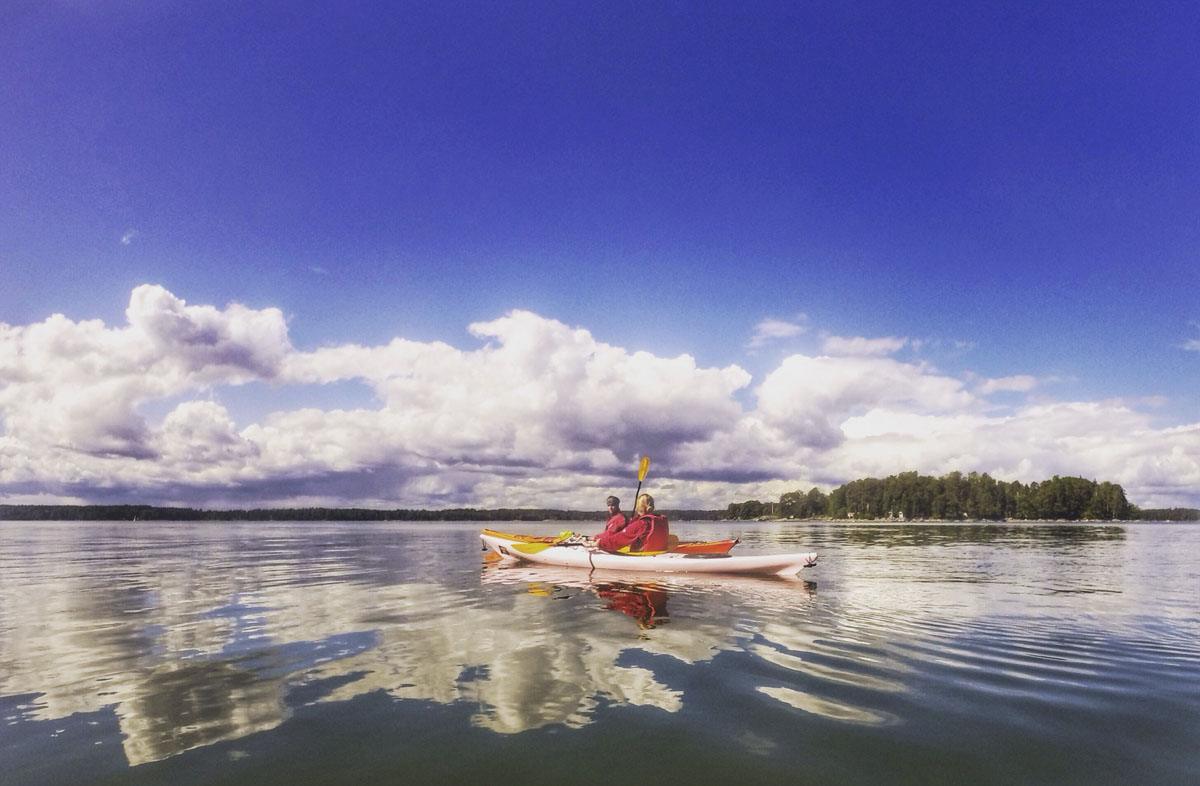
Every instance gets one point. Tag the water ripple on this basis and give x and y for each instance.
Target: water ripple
(186, 639)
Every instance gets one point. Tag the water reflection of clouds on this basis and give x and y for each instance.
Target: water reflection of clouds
(189, 703)
(180, 676)
(527, 665)
(827, 708)
(858, 659)
(190, 648)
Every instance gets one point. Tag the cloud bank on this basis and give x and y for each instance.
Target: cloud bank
(535, 413)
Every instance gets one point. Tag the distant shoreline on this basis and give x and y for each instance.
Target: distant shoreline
(163, 513)
(906, 497)
(527, 515)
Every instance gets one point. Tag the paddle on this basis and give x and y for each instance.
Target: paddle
(534, 548)
(643, 468)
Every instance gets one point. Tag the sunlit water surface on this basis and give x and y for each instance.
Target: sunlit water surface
(391, 652)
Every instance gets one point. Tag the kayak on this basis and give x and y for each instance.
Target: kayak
(679, 546)
(577, 555)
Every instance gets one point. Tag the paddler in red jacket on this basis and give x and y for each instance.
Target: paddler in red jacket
(616, 519)
(646, 531)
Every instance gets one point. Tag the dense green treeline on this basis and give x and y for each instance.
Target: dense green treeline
(152, 513)
(148, 513)
(1169, 514)
(953, 497)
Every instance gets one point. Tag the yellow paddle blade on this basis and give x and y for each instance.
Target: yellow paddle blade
(534, 548)
(643, 468)
(528, 548)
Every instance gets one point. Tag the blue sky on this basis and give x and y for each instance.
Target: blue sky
(1014, 189)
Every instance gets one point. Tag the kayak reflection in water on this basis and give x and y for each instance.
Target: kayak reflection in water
(646, 531)
(647, 605)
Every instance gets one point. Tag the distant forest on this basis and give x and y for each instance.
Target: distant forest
(955, 497)
(153, 513)
(907, 496)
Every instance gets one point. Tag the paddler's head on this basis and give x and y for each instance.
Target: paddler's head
(645, 504)
(614, 505)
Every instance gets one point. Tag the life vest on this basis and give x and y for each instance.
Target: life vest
(658, 538)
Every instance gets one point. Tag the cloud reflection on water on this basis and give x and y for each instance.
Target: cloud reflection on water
(193, 636)
(192, 647)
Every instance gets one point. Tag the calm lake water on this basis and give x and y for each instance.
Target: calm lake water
(390, 652)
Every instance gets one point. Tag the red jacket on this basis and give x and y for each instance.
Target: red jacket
(647, 532)
(616, 523)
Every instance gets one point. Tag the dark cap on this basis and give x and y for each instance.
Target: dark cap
(613, 501)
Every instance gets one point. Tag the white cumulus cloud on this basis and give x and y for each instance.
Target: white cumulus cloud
(532, 412)
(76, 386)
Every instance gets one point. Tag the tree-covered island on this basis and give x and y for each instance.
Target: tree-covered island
(904, 497)
(956, 497)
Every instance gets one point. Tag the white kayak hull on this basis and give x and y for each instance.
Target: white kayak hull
(595, 559)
